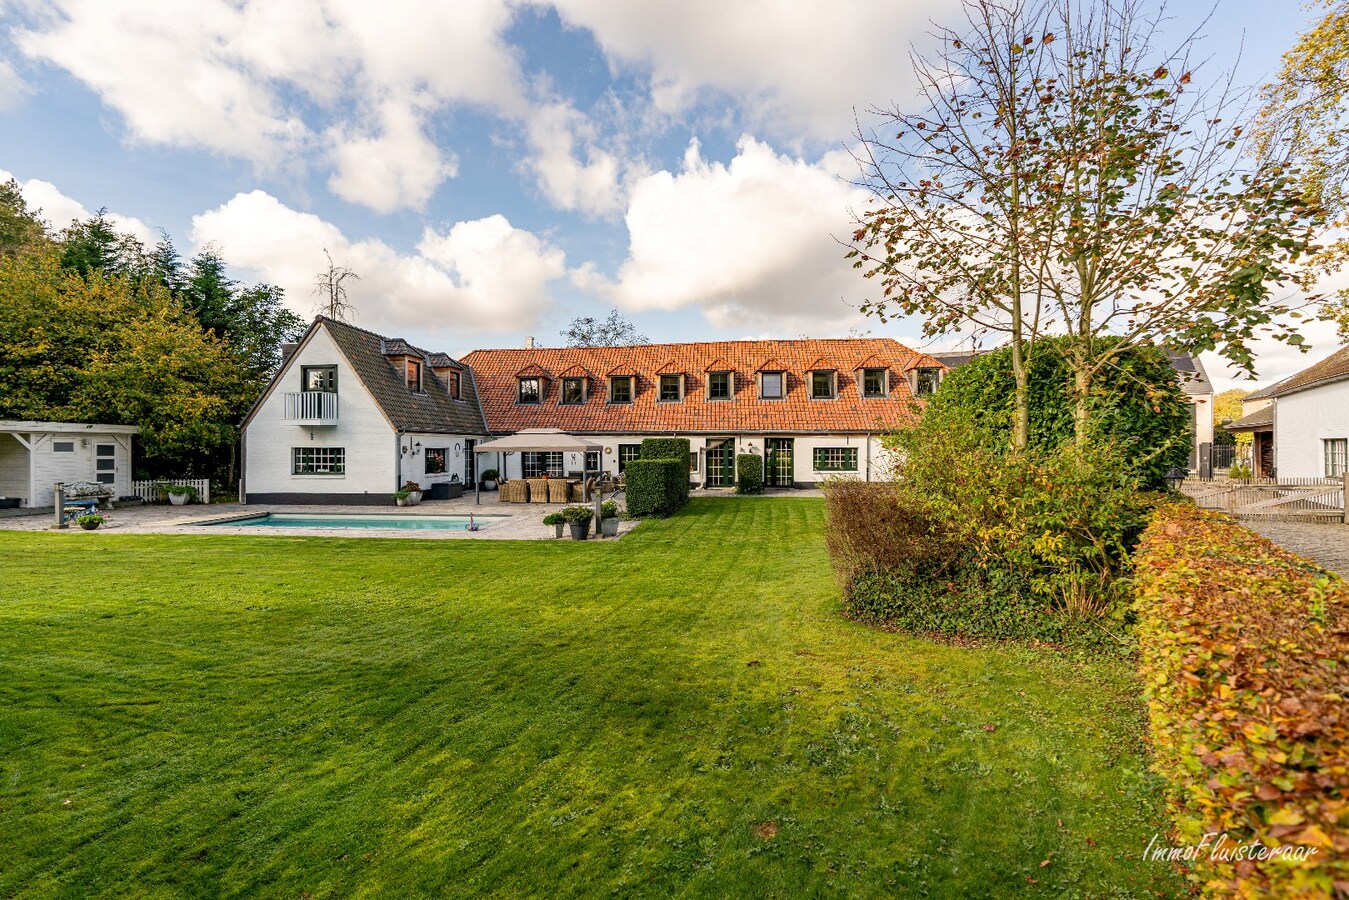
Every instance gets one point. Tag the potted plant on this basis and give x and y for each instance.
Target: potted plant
(180, 494)
(489, 479)
(414, 493)
(609, 518)
(556, 520)
(90, 521)
(578, 517)
(400, 497)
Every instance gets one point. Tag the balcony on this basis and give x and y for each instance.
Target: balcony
(311, 408)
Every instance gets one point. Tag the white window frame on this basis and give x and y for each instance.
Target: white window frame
(334, 466)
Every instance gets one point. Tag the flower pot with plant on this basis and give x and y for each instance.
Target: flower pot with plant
(555, 520)
(180, 494)
(488, 479)
(400, 498)
(90, 521)
(609, 518)
(413, 491)
(578, 517)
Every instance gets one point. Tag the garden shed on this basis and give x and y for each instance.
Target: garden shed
(36, 455)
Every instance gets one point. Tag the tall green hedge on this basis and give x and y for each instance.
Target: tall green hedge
(656, 487)
(669, 448)
(749, 473)
(1137, 404)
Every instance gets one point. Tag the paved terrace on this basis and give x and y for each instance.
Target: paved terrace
(523, 520)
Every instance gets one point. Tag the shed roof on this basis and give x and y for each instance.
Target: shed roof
(8, 425)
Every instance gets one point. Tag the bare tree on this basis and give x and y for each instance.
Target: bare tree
(330, 292)
(1064, 177)
(614, 330)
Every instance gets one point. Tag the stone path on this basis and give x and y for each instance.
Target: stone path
(1326, 543)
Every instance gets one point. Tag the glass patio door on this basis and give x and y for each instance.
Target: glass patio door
(778, 465)
(720, 462)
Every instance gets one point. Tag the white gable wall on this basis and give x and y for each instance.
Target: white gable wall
(361, 430)
(1302, 420)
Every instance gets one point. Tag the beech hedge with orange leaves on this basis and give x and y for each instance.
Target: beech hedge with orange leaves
(1244, 650)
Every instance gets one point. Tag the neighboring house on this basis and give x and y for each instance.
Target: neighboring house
(812, 408)
(352, 416)
(34, 456)
(1257, 420)
(1194, 381)
(1305, 426)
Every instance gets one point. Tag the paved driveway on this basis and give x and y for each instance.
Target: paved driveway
(1328, 544)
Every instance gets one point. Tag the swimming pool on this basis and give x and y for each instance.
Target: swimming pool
(339, 521)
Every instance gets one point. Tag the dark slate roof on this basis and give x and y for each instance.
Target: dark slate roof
(1261, 418)
(433, 411)
(1263, 392)
(1334, 367)
(442, 361)
(1193, 378)
(955, 358)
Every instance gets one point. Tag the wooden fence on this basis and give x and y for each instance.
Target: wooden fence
(1293, 498)
(149, 491)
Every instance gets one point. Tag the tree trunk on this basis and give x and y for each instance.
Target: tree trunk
(1021, 404)
(1081, 406)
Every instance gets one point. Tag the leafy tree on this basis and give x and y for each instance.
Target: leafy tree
(21, 229)
(1066, 179)
(1227, 408)
(614, 330)
(1305, 119)
(1137, 406)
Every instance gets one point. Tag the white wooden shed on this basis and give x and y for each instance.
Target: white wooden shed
(36, 455)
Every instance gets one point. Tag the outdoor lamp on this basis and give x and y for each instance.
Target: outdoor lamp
(1174, 477)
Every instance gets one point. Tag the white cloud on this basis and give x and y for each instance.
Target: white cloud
(243, 78)
(12, 87)
(479, 276)
(793, 64)
(591, 185)
(59, 211)
(751, 244)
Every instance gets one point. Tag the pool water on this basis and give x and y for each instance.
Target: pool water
(337, 521)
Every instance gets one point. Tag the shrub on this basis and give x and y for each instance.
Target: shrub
(578, 515)
(609, 510)
(1243, 650)
(555, 518)
(1240, 472)
(488, 475)
(749, 473)
(181, 489)
(669, 448)
(1138, 406)
(971, 542)
(656, 487)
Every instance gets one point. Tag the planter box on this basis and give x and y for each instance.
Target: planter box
(9, 502)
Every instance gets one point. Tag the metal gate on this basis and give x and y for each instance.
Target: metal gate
(778, 467)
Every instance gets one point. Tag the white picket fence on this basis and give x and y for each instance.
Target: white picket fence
(149, 490)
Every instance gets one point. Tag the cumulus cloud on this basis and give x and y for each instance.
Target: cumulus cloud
(792, 64)
(475, 276)
(59, 210)
(750, 243)
(240, 78)
(558, 134)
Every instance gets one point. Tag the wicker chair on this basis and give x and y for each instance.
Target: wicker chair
(538, 490)
(557, 490)
(516, 491)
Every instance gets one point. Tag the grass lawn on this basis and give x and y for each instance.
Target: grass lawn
(681, 712)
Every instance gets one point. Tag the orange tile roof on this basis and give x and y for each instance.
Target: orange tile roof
(670, 368)
(574, 372)
(534, 370)
(494, 372)
(823, 365)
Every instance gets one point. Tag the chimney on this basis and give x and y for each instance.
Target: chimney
(287, 351)
(529, 343)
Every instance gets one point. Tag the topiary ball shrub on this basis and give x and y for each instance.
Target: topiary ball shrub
(749, 473)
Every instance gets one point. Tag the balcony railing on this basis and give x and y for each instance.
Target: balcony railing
(312, 408)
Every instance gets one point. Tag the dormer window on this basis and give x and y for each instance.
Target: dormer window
(620, 388)
(573, 391)
(874, 385)
(454, 385)
(718, 385)
(925, 381)
(823, 385)
(772, 385)
(530, 389)
(414, 375)
(319, 378)
(671, 388)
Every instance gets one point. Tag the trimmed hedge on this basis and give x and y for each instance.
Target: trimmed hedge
(1244, 651)
(749, 473)
(669, 448)
(656, 487)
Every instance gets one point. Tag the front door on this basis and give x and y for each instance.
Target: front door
(470, 463)
(105, 463)
(720, 462)
(778, 462)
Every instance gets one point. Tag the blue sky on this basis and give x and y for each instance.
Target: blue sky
(493, 169)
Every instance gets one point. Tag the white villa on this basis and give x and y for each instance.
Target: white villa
(1301, 424)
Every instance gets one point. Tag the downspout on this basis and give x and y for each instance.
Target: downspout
(397, 460)
(868, 440)
(243, 464)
